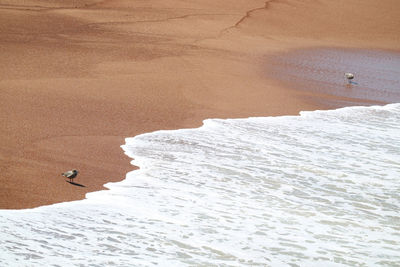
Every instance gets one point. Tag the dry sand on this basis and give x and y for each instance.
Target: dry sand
(77, 77)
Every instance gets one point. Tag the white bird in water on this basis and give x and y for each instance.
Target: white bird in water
(349, 76)
(70, 174)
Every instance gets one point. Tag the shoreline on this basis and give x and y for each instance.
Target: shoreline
(326, 101)
(74, 89)
(135, 167)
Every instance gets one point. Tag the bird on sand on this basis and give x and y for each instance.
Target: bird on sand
(70, 174)
(349, 76)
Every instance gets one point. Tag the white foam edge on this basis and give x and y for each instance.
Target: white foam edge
(207, 124)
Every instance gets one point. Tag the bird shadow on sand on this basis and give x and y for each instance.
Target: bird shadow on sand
(351, 82)
(76, 184)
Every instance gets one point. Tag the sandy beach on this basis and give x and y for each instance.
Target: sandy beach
(78, 77)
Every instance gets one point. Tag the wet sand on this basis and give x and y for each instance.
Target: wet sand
(316, 70)
(75, 80)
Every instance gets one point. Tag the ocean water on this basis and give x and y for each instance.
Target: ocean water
(319, 189)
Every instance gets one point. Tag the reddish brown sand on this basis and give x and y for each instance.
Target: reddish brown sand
(77, 77)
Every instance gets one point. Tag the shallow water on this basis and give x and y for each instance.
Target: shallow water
(321, 70)
(317, 189)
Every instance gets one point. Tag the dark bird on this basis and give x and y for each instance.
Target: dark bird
(70, 174)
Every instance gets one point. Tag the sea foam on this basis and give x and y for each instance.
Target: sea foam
(317, 189)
